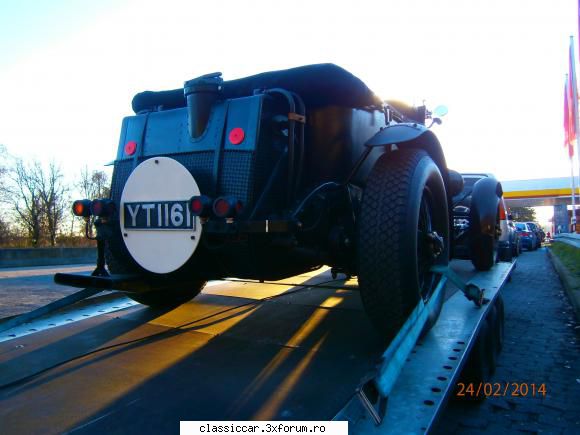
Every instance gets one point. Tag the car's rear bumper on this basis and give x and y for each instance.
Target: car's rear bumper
(527, 242)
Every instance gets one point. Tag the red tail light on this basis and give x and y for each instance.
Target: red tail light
(82, 207)
(526, 234)
(102, 207)
(200, 205)
(226, 206)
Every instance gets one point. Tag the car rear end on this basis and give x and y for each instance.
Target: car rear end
(230, 157)
(205, 164)
(538, 232)
(526, 235)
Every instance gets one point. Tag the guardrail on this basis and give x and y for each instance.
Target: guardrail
(568, 238)
(24, 257)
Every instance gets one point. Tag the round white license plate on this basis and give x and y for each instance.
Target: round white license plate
(157, 226)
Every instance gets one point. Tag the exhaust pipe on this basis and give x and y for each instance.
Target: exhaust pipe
(200, 94)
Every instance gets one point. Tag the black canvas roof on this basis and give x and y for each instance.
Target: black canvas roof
(318, 85)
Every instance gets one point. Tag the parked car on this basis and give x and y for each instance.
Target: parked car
(515, 242)
(276, 174)
(465, 208)
(542, 233)
(537, 230)
(528, 237)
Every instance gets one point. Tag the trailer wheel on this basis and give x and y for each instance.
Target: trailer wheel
(500, 322)
(477, 369)
(403, 230)
(492, 345)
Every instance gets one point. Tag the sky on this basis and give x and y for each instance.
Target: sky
(69, 69)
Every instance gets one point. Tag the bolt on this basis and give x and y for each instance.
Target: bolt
(156, 161)
(192, 237)
(124, 234)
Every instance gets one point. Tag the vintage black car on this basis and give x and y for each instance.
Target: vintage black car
(481, 235)
(272, 175)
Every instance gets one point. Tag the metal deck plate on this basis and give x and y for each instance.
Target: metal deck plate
(83, 310)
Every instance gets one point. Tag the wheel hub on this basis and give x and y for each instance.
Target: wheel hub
(434, 244)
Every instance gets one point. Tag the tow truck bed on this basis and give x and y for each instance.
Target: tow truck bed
(300, 354)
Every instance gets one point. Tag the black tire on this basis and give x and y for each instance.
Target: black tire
(404, 199)
(169, 297)
(492, 344)
(506, 254)
(500, 322)
(477, 369)
(482, 251)
(482, 358)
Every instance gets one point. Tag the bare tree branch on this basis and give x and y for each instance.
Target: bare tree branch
(23, 194)
(52, 193)
(94, 184)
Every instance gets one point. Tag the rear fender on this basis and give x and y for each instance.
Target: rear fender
(485, 199)
(412, 135)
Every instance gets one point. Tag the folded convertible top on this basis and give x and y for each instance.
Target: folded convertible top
(319, 85)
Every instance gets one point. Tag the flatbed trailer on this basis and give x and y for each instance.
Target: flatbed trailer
(296, 349)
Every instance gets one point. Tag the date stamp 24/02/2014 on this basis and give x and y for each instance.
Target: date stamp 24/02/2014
(500, 389)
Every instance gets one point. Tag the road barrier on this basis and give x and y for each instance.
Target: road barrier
(46, 256)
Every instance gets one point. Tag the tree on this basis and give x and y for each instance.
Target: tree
(523, 214)
(38, 198)
(26, 199)
(53, 198)
(5, 232)
(3, 174)
(94, 184)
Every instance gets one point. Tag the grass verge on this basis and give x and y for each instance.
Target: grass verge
(566, 260)
(569, 256)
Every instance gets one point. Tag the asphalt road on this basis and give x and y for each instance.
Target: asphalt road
(23, 289)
